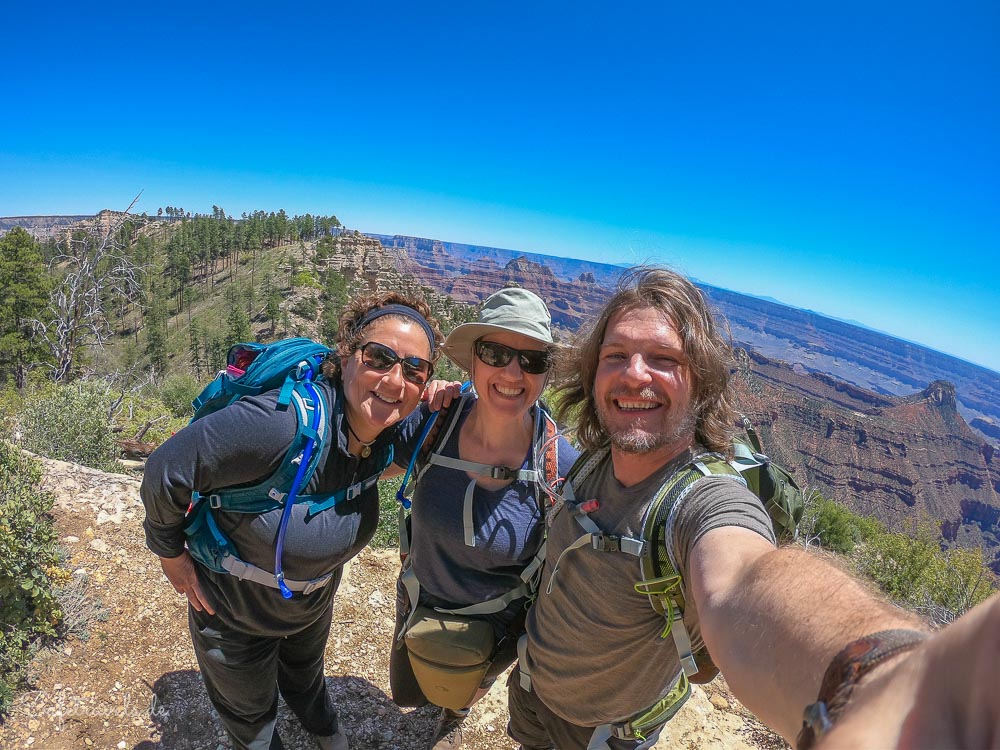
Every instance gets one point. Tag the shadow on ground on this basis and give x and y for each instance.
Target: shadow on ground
(186, 720)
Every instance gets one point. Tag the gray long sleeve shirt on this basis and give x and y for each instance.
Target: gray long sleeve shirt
(241, 445)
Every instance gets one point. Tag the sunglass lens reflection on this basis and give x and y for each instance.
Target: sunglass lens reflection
(380, 357)
(498, 355)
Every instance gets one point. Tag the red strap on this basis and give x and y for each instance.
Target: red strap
(551, 458)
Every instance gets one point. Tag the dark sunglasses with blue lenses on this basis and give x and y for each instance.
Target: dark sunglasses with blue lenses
(381, 358)
(531, 361)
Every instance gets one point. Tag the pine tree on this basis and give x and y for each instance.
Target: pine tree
(237, 320)
(196, 349)
(156, 335)
(25, 285)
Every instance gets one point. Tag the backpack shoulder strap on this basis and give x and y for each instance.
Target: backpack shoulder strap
(270, 492)
(660, 579)
(545, 452)
(433, 438)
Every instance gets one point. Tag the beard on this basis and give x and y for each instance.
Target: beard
(637, 437)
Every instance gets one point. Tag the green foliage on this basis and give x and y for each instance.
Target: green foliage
(72, 422)
(915, 571)
(177, 393)
(25, 285)
(10, 405)
(306, 307)
(306, 279)
(29, 609)
(387, 533)
(145, 416)
(196, 350)
(237, 319)
(156, 334)
(910, 568)
(334, 299)
(837, 528)
(445, 369)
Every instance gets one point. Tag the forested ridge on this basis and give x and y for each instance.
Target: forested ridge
(167, 296)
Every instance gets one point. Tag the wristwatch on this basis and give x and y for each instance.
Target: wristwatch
(857, 659)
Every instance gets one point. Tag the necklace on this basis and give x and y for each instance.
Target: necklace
(366, 448)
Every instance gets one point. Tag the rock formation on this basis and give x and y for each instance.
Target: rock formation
(897, 458)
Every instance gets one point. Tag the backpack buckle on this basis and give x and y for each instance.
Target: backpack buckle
(500, 472)
(214, 501)
(607, 542)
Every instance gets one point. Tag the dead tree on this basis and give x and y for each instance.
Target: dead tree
(98, 274)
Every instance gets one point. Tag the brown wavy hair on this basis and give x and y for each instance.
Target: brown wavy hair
(706, 344)
(349, 336)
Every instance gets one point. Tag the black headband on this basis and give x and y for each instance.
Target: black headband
(395, 309)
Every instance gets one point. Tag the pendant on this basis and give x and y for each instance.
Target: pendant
(366, 451)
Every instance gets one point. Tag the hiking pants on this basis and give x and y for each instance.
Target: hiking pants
(537, 728)
(403, 683)
(243, 673)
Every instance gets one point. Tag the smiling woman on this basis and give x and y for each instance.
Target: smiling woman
(250, 641)
(477, 512)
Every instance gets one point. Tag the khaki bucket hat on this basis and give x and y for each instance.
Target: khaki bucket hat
(509, 310)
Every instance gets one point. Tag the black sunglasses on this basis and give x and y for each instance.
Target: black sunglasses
(381, 358)
(531, 361)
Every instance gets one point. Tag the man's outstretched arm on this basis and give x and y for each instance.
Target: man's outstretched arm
(773, 619)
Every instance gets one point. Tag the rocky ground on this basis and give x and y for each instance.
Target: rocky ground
(127, 677)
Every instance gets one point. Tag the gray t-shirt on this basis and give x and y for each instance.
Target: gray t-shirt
(595, 653)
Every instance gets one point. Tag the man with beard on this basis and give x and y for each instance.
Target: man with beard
(598, 670)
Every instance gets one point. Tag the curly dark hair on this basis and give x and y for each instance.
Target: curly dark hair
(349, 336)
(706, 344)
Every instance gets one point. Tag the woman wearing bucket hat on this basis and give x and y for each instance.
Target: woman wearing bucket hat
(478, 513)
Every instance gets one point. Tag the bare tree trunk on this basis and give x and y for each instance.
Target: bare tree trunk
(99, 275)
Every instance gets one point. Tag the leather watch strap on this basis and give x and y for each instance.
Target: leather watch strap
(856, 660)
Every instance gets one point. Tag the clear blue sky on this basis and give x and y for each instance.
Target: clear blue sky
(842, 157)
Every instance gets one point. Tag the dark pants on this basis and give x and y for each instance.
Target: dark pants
(537, 728)
(403, 683)
(244, 672)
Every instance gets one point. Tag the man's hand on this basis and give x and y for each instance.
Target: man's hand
(941, 694)
(440, 393)
(182, 576)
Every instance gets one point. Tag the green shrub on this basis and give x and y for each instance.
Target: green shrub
(914, 571)
(306, 279)
(387, 533)
(177, 393)
(72, 423)
(10, 405)
(307, 307)
(29, 609)
(837, 528)
(145, 415)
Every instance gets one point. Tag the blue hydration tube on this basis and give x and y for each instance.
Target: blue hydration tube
(403, 500)
(290, 500)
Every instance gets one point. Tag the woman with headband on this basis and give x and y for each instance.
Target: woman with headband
(251, 642)
(478, 509)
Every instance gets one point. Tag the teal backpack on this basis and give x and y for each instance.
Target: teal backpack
(293, 366)
(658, 579)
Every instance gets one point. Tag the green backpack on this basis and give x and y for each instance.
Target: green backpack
(659, 580)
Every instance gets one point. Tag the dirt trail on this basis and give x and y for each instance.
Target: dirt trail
(129, 679)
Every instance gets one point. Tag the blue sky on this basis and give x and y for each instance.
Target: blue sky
(842, 157)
